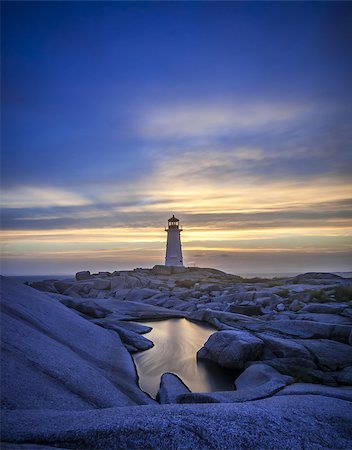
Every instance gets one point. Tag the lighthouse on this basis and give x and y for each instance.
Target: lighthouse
(173, 245)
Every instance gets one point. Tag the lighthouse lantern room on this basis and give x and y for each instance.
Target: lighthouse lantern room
(173, 244)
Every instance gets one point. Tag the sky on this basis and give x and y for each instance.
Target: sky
(234, 116)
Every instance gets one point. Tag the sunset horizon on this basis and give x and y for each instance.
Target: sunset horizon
(233, 116)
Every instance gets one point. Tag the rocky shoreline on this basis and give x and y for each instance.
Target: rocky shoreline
(66, 346)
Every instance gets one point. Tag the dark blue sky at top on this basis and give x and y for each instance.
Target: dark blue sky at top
(77, 77)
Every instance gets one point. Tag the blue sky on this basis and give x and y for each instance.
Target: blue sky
(235, 116)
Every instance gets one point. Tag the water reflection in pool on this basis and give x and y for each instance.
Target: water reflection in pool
(176, 342)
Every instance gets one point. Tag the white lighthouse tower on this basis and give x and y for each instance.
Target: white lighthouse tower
(173, 244)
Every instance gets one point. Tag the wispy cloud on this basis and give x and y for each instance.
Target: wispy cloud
(32, 196)
(192, 120)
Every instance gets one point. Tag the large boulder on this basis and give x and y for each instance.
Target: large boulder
(171, 386)
(83, 275)
(232, 348)
(54, 359)
(260, 376)
(103, 274)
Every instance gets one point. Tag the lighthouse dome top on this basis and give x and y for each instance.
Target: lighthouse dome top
(173, 219)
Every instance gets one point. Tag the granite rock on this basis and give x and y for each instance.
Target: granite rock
(54, 359)
(279, 422)
(330, 355)
(83, 275)
(171, 386)
(231, 348)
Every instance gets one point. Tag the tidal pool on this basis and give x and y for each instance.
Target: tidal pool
(176, 342)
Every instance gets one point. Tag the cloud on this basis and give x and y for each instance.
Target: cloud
(32, 196)
(244, 205)
(178, 121)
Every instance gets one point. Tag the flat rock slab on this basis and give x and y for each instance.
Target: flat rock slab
(325, 308)
(127, 310)
(330, 355)
(344, 393)
(139, 311)
(133, 326)
(258, 375)
(134, 342)
(305, 329)
(324, 317)
(311, 422)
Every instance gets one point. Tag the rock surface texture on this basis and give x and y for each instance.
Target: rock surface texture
(53, 359)
(68, 380)
(171, 386)
(279, 422)
(232, 348)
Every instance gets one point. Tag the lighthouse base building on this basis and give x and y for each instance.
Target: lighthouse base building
(173, 244)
